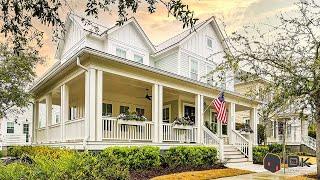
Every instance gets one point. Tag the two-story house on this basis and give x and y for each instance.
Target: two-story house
(114, 87)
(285, 123)
(15, 128)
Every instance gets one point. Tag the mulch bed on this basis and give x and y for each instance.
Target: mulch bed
(148, 174)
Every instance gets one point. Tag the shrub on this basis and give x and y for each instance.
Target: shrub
(135, 158)
(1, 154)
(275, 148)
(259, 152)
(18, 151)
(183, 156)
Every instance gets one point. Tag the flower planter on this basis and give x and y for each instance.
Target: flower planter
(188, 127)
(131, 122)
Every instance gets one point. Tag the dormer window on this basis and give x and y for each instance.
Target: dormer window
(138, 58)
(209, 43)
(121, 53)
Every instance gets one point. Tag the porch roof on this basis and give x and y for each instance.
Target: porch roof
(59, 67)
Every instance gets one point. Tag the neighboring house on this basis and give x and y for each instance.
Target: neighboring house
(101, 76)
(296, 132)
(16, 128)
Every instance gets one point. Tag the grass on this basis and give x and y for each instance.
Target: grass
(305, 177)
(208, 174)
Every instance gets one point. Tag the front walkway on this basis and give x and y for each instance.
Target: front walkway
(264, 174)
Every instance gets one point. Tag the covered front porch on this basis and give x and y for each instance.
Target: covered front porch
(97, 107)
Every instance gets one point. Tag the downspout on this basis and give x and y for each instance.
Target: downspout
(85, 140)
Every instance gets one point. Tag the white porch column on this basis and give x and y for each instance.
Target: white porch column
(64, 110)
(160, 106)
(48, 115)
(155, 112)
(99, 105)
(35, 122)
(199, 117)
(90, 104)
(254, 125)
(231, 121)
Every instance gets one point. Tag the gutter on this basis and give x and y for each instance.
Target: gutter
(80, 65)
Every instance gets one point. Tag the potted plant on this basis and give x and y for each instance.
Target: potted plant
(183, 123)
(131, 118)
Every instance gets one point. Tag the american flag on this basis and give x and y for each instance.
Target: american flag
(220, 106)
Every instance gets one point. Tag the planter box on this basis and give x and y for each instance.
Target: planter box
(131, 122)
(187, 127)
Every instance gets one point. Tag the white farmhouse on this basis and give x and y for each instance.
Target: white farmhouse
(15, 128)
(84, 100)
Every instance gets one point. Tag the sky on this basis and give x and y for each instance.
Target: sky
(159, 27)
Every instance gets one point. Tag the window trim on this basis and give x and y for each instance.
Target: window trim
(122, 49)
(140, 107)
(165, 107)
(10, 127)
(186, 104)
(197, 61)
(112, 107)
(209, 38)
(140, 55)
(126, 105)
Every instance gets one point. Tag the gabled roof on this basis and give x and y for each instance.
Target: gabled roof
(180, 38)
(101, 30)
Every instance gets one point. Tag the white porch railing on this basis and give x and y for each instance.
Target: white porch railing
(114, 130)
(209, 138)
(242, 144)
(172, 134)
(75, 129)
(310, 142)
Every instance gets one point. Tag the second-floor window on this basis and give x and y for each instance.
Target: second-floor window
(210, 78)
(193, 69)
(121, 53)
(209, 42)
(138, 58)
(10, 127)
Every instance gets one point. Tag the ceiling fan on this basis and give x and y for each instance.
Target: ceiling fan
(147, 96)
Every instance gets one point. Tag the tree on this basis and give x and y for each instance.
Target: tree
(16, 72)
(287, 55)
(19, 25)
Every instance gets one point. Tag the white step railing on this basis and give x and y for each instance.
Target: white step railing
(310, 142)
(209, 138)
(15, 139)
(181, 135)
(127, 130)
(242, 144)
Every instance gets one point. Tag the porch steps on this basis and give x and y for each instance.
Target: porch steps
(233, 155)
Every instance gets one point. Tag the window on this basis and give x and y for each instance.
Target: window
(280, 128)
(289, 129)
(56, 113)
(214, 122)
(210, 78)
(124, 109)
(140, 111)
(189, 111)
(121, 53)
(193, 69)
(138, 58)
(274, 129)
(166, 114)
(209, 42)
(73, 113)
(26, 131)
(246, 120)
(10, 127)
(106, 109)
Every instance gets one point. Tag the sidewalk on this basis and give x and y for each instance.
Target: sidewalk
(263, 174)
